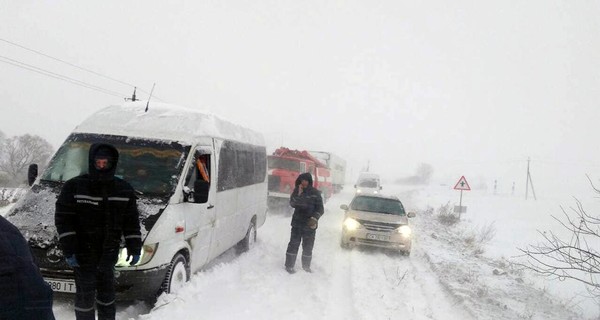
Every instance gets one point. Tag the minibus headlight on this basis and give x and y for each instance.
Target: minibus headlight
(148, 251)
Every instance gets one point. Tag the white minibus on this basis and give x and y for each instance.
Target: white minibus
(189, 215)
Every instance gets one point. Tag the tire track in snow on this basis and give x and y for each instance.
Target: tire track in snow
(341, 304)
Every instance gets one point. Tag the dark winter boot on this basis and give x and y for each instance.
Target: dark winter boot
(290, 270)
(306, 262)
(290, 260)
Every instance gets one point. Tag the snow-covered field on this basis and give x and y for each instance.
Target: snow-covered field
(4, 210)
(445, 277)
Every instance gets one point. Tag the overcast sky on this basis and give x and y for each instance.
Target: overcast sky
(471, 87)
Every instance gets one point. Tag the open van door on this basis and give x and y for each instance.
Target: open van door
(199, 198)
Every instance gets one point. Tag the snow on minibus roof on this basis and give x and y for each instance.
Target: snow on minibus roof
(164, 122)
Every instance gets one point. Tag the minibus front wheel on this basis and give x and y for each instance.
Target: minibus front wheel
(178, 275)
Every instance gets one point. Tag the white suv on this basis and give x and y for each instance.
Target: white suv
(377, 221)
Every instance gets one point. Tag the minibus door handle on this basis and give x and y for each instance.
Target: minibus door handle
(210, 206)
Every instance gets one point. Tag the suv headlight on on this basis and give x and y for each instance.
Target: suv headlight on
(405, 231)
(351, 224)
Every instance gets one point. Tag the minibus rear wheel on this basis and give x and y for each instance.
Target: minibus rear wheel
(177, 275)
(249, 240)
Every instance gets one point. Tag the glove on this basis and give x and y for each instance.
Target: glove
(312, 223)
(72, 261)
(135, 258)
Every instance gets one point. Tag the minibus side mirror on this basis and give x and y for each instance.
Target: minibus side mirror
(411, 214)
(32, 173)
(187, 194)
(344, 207)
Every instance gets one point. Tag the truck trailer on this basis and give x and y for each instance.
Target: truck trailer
(337, 167)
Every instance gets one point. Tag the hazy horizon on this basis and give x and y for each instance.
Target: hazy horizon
(472, 88)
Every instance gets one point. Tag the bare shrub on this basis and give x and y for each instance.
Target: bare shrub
(469, 239)
(574, 257)
(428, 211)
(446, 215)
(527, 314)
(478, 251)
(482, 291)
(472, 276)
(476, 239)
(486, 233)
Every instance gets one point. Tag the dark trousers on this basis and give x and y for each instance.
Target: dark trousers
(95, 287)
(306, 236)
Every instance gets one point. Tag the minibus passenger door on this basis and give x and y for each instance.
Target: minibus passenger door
(199, 193)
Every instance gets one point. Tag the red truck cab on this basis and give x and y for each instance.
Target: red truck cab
(284, 167)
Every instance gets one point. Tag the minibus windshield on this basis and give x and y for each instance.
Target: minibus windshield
(150, 166)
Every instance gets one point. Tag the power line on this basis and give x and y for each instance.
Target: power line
(75, 66)
(59, 76)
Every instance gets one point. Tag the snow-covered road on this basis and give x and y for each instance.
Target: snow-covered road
(358, 284)
(440, 280)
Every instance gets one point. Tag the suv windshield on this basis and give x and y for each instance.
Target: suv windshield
(150, 166)
(379, 205)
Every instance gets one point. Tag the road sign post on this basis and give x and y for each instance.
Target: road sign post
(461, 185)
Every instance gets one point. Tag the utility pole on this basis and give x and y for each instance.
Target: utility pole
(528, 181)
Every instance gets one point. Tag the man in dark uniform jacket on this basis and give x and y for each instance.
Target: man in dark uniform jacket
(93, 212)
(24, 295)
(308, 208)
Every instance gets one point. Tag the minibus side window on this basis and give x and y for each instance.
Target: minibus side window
(241, 165)
(198, 179)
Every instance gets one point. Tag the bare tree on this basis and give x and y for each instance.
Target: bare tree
(424, 172)
(574, 258)
(421, 176)
(17, 153)
(4, 178)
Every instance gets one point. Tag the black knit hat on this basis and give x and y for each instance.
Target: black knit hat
(104, 153)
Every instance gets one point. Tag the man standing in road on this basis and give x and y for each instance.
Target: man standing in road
(308, 208)
(93, 212)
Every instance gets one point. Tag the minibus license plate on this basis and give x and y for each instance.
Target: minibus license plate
(61, 285)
